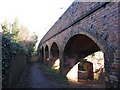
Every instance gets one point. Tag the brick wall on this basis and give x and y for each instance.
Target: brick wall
(102, 26)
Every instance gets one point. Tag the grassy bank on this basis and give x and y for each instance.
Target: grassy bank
(54, 75)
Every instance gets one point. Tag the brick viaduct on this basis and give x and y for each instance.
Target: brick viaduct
(85, 27)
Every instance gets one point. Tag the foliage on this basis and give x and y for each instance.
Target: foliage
(31, 43)
(81, 66)
(20, 35)
(13, 43)
(8, 50)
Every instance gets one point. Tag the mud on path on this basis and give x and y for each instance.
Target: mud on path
(33, 77)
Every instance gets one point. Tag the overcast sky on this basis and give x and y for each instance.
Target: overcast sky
(37, 15)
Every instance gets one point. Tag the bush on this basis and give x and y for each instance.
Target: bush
(9, 49)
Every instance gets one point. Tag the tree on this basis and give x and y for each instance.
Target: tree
(23, 36)
(31, 43)
(20, 35)
(15, 30)
(12, 42)
(5, 28)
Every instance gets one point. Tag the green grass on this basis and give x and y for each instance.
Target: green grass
(54, 75)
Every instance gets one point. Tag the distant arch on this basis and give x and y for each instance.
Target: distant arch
(54, 52)
(42, 54)
(46, 54)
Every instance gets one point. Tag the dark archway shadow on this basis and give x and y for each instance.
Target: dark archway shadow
(46, 55)
(42, 55)
(81, 60)
(54, 60)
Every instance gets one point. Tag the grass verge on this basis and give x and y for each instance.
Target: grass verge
(54, 75)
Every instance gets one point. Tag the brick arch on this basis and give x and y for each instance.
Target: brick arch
(54, 55)
(85, 44)
(82, 31)
(42, 54)
(54, 45)
(99, 24)
(78, 46)
(99, 39)
(46, 54)
(54, 41)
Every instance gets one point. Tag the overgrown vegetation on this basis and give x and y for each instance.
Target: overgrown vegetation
(7, 53)
(14, 40)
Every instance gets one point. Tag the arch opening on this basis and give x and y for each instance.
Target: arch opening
(83, 60)
(46, 55)
(42, 55)
(54, 61)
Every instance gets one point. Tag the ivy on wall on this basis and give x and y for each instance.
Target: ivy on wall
(8, 49)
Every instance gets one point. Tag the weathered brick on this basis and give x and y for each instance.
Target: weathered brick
(101, 26)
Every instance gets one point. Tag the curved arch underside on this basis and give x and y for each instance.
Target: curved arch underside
(54, 60)
(46, 55)
(80, 49)
(80, 44)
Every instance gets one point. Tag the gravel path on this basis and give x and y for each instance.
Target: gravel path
(32, 77)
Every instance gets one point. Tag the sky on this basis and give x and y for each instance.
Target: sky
(37, 15)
